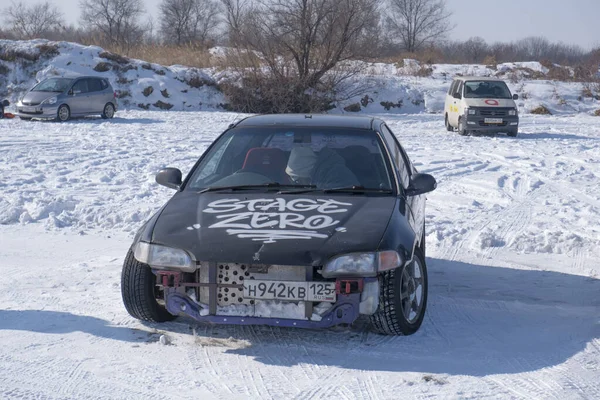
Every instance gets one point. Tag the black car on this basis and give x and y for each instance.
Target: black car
(288, 220)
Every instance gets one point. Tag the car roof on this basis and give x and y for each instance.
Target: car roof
(478, 78)
(75, 77)
(320, 120)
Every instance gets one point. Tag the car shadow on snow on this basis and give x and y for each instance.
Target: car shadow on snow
(57, 322)
(480, 321)
(536, 136)
(96, 120)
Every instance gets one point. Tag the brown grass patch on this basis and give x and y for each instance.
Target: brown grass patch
(541, 110)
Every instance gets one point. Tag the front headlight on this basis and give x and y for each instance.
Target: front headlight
(472, 111)
(512, 112)
(51, 100)
(158, 256)
(362, 264)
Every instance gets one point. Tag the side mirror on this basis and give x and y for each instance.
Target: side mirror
(515, 97)
(70, 92)
(420, 184)
(169, 177)
(457, 96)
(5, 103)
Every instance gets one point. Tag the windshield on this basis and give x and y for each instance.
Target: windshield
(487, 89)
(327, 158)
(52, 85)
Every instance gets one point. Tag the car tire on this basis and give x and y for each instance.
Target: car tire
(109, 111)
(394, 315)
(449, 127)
(461, 128)
(139, 292)
(25, 118)
(63, 114)
(513, 133)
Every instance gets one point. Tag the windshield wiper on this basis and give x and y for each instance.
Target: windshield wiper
(270, 185)
(357, 189)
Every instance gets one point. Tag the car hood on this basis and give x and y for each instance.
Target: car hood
(485, 102)
(38, 97)
(270, 228)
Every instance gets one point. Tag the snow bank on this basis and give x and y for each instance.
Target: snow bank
(138, 84)
(404, 88)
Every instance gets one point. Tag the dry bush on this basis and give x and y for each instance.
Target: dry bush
(597, 113)
(541, 110)
(558, 73)
(491, 62)
(190, 56)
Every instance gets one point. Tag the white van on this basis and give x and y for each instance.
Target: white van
(478, 104)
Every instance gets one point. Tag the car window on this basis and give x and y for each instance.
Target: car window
(52, 85)
(459, 88)
(452, 88)
(487, 89)
(94, 85)
(400, 158)
(325, 157)
(81, 86)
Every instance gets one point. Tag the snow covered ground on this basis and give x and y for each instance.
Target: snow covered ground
(513, 257)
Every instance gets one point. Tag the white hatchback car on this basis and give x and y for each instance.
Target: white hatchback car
(481, 104)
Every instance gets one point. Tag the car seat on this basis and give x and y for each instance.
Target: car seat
(267, 161)
(359, 160)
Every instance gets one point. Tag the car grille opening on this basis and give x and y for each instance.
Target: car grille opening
(494, 112)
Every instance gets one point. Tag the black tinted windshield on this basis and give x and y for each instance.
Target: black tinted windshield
(324, 157)
(53, 85)
(487, 89)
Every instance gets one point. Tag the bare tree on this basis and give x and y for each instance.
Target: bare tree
(475, 49)
(418, 22)
(33, 21)
(117, 21)
(188, 21)
(294, 55)
(235, 11)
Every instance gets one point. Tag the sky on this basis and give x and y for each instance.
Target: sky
(570, 22)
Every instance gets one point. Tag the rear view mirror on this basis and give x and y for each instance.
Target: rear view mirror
(420, 184)
(169, 177)
(515, 97)
(5, 103)
(457, 96)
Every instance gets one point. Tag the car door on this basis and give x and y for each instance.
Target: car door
(96, 96)
(410, 206)
(79, 97)
(450, 99)
(455, 105)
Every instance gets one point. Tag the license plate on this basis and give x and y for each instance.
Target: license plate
(29, 109)
(290, 291)
(493, 120)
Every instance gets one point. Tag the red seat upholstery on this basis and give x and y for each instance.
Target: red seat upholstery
(267, 161)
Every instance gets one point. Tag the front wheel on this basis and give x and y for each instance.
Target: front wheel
(140, 293)
(25, 118)
(63, 114)
(109, 111)
(461, 128)
(513, 133)
(402, 298)
(449, 127)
